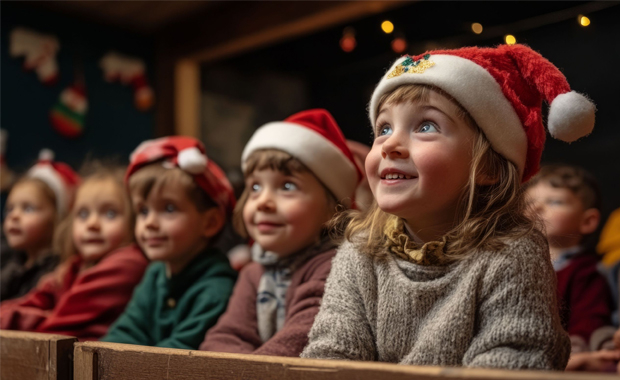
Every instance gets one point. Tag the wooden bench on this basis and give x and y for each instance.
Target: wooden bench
(107, 361)
(33, 356)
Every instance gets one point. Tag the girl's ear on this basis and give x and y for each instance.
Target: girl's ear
(214, 222)
(589, 221)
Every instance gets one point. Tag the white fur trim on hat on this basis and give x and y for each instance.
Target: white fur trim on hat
(48, 174)
(191, 160)
(571, 116)
(321, 156)
(476, 90)
(46, 155)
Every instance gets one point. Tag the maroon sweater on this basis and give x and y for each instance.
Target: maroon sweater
(237, 329)
(585, 297)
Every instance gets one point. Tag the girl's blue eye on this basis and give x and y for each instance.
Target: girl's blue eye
(83, 214)
(111, 214)
(385, 130)
(143, 211)
(427, 128)
(28, 208)
(256, 187)
(290, 186)
(170, 208)
(554, 202)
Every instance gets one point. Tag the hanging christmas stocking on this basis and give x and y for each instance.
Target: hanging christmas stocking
(67, 116)
(129, 71)
(39, 51)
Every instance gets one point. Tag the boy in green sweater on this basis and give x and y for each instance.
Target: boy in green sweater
(182, 200)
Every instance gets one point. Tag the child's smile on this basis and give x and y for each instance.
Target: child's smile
(420, 161)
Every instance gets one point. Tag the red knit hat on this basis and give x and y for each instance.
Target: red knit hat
(502, 89)
(58, 176)
(189, 155)
(314, 138)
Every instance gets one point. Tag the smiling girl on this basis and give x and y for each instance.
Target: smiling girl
(86, 293)
(296, 173)
(446, 269)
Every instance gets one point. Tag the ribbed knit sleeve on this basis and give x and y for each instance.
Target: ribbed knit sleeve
(517, 320)
(341, 329)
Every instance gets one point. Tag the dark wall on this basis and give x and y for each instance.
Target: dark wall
(343, 82)
(113, 126)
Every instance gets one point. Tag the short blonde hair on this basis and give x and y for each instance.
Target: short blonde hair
(488, 215)
(277, 160)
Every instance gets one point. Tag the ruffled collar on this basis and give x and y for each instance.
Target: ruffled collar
(403, 246)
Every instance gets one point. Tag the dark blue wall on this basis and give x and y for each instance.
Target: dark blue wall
(113, 126)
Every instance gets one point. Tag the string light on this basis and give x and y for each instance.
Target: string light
(583, 20)
(387, 26)
(510, 39)
(476, 28)
(399, 45)
(348, 42)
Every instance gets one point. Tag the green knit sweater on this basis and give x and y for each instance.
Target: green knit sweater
(176, 312)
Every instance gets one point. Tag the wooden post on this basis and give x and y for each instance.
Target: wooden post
(187, 98)
(33, 356)
(107, 361)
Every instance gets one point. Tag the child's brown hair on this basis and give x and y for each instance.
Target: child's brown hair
(583, 184)
(155, 176)
(92, 171)
(488, 215)
(47, 191)
(277, 160)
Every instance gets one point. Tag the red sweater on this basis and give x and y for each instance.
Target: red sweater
(585, 297)
(237, 329)
(87, 301)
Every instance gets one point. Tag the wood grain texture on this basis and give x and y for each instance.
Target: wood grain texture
(120, 362)
(33, 356)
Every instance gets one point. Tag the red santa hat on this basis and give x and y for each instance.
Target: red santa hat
(188, 154)
(502, 89)
(58, 176)
(314, 138)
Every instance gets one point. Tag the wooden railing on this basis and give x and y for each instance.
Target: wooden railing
(32, 356)
(107, 361)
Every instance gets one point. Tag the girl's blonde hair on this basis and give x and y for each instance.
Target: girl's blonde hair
(92, 171)
(277, 160)
(47, 191)
(488, 215)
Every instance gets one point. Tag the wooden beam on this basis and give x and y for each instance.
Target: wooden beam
(124, 362)
(187, 98)
(34, 356)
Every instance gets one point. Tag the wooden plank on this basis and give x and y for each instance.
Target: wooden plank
(34, 356)
(187, 98)
(119, 361)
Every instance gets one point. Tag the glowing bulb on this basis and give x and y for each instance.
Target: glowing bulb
(476, 28)
(399, 45)
(348, 43)
(387, 26)
(510, 39)
(584, 21)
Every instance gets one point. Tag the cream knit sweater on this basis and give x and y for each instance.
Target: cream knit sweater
(492, 309)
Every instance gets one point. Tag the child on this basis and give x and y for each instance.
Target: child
(446, 269)
(83, 296)
(182, 200)
(568, 201)
(34, 206)
(297, 172)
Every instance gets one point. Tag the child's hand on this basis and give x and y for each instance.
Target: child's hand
(597, 361)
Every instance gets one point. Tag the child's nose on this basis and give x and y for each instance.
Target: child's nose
(151, 220)
(266, 201)
(93, 222)
(394, 147)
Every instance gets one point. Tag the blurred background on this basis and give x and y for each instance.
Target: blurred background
(96, 78)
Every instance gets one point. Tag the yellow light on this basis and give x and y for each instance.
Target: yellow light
(387, 26)
(584, 21)
(510, 39)
(476, 28)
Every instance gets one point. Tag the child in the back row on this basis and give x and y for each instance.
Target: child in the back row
(446, 268)
(567, 199)
(91, 288)
(182, 200)
(297, 173)
(35, 205)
